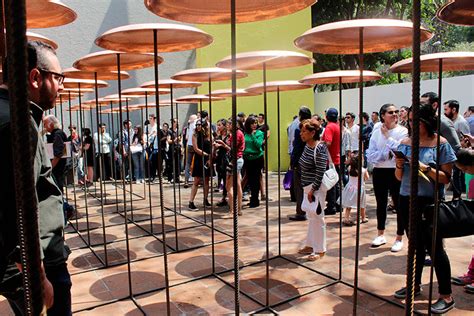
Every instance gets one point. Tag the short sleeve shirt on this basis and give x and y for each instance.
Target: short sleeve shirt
(332, 135)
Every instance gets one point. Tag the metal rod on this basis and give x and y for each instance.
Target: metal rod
(341, 175)
(267, 215)
(174, 155)
(279, 172)
(213, 251)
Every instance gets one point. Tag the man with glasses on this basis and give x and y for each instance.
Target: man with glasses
(353, 132)
(44, 83)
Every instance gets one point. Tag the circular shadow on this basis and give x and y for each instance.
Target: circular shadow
(114, 255)
(95, 239)
(156, 246)
(137, 231)
(83, 226)
(117, 285)
(177, 308)
(120, 219)
(202, 265)
(255, 287)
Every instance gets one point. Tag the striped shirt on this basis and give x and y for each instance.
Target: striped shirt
(313, 168)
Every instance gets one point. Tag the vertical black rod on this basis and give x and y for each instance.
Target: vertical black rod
(179, 183)
(201, 135)
(211, 185)
(112, 163)
(414, 165)
(174, 154)
(267, 219)
(233, 48)
(341, 174)
(143, 152)
(436, 193)
(148, 162)
(92, 135)
(129, 158)
(74, 159)
(62, 124)
(127, 240)
(160, 176)
(279, 175)
(359, 168)
(101, 167)
(23, 147)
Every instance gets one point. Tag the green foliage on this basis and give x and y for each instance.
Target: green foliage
(446, 37)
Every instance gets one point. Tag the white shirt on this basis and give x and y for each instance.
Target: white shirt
(354, 137)
(461, 126)
(378, 153)
(105, 141)
(291, 133)
(189, 133)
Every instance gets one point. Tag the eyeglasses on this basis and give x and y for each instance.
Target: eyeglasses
(57, 76)
(393, 112)
(348, 117)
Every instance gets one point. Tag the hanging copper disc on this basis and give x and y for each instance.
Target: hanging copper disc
(346, 76)
(227, 93)
(459, 12)
(100, 101)
(84, 83)
(48, 13)
(144, 91)
(77, 90)
(101, 75)
(138, 38)
(40, 38)
(107, 61)
(163, 103)
(452, 61)
(204, 74)
(273, 86)
(167, 83)
(218, 11)
(196, 98)
(67, 94)
(343, 37)
(133, 107)
(123, 97)
(273, 59)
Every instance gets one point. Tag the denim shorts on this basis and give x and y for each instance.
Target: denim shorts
(240, 164)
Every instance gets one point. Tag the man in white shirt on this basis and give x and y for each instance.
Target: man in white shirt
(152, 143)
(353, 132)
(103, 151)
(189, 148)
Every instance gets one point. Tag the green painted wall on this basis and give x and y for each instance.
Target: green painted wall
(276, 34)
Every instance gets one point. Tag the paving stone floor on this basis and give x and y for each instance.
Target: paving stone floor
(200, 283)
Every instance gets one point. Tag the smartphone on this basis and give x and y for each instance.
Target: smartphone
(399, 154)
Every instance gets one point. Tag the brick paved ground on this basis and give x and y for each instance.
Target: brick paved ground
(194, 289)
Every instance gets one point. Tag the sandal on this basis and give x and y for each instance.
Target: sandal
(315, 256)
(364, 220)
(348, 222)
(306, 250)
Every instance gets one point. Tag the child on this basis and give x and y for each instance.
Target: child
(349, 194)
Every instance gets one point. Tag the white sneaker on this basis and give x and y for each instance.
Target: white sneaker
(379, 241)
(397, 246)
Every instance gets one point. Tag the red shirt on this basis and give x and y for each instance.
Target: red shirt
(240, 143)
(332, 135)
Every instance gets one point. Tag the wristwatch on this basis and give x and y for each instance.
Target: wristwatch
(427, 170)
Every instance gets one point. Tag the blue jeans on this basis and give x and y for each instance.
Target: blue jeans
(137, 159)
(61, 282)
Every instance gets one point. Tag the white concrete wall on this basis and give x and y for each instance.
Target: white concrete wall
(76, 40)
(458, 88)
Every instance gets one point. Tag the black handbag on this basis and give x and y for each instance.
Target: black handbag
(456, 218)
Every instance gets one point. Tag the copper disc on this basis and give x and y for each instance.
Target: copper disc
(40, 38)
(343, 37)
(167, 83)
(460, 12)
(218, 11)
(144, 91)
(138, 38)
(77, 90)
(347, 76)
(227, 93)
(48, 13)
(100, 101)
(196, 98)
(273, 86)
(83, 83)
(452, 61)
(123, 97)
(163, 103)
(107, 61)
(203, 74)
(101, 75)
(72, 94)
(273, 59)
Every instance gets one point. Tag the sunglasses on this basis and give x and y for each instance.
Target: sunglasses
(393, 112)
(57, 76)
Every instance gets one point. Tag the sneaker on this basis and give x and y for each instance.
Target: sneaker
(192, 207)
(441, 306)
(379, 241)
(206, 202)
(397, 246)
(462, 280)
(469, 288)
(402, 293)
(245, 198)
(222, 203)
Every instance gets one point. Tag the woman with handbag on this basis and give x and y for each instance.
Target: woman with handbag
(313, 163)
(426, 194)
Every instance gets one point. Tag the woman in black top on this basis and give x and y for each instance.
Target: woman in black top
(201, 162)
(88, 152)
